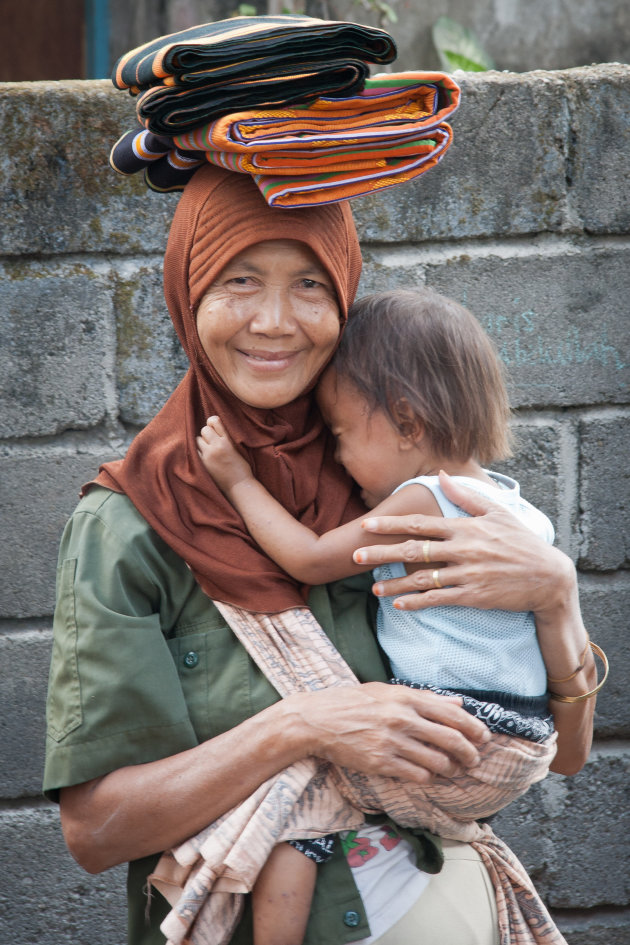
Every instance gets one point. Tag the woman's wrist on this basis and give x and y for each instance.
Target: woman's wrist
(311, 722)
(584, 675)
(561, 632)
(281, 733)
(296, 732)
(557, 595)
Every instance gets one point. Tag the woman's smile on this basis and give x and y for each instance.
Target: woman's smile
(270, 322)
(270, 359)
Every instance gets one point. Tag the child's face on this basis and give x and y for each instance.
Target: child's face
(368, 445)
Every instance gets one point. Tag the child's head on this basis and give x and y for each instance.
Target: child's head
(368, 445)
(425, 362)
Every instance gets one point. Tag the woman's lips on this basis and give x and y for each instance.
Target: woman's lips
(269, 360)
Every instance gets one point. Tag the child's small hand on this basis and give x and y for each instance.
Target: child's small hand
(219, 456)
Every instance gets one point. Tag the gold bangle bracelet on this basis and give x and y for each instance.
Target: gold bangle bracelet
(587, 695)
(575, 672)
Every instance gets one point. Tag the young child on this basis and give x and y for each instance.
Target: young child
(415, 387)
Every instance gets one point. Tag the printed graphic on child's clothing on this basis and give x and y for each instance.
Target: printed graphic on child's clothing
(359, 848)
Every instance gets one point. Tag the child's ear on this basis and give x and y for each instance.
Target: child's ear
(410, 427)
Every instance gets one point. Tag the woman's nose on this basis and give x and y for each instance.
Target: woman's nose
(274, 313)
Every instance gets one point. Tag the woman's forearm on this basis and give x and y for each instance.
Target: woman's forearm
(574, 725)
(144, 809)
(559, 625)
(563, 642)
(374, 728)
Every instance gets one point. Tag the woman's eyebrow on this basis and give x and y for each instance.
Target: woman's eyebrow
(306, 272)
(243, 265)
(311, 271)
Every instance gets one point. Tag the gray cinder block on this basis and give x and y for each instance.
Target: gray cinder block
(57, 348)
(57, 191)
(150, 358)
(45, 898)
(24, 662)
(556, 318)
(40, 488)
(605, 491)
(571, 833)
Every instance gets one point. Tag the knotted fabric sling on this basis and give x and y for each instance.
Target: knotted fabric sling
(191, 77)
(206, 877)
(391, 132)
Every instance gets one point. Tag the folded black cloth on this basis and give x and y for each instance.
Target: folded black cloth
(185, 79)
(319, 850)
(166, 168)
(503, 713)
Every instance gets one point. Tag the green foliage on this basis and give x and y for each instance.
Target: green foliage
(386, 14)
(247, 9)
(459, 48)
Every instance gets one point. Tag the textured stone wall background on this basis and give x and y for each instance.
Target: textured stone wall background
(527, 221)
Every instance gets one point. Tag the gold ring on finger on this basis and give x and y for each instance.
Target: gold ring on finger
(436, 578)
(425, 551)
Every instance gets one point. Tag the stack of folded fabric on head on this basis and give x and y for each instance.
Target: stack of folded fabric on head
(186, 79)
(286, 99)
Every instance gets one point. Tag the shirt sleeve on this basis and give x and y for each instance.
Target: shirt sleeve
(114, 697)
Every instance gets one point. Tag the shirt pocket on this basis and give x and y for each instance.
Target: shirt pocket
(63, 709)
(221, 685)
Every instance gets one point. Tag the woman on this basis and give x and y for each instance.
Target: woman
(158, 721)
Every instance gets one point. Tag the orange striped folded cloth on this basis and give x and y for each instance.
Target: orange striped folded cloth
(187, 78)
(333, 149)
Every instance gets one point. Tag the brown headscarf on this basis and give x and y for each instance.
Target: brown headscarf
(220, 214)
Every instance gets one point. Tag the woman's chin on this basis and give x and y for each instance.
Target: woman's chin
(271, 390)
(269, 399)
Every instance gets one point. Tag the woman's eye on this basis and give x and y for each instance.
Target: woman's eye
(314, 286)
(241, 284)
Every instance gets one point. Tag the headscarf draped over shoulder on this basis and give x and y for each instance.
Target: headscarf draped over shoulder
(220, 214)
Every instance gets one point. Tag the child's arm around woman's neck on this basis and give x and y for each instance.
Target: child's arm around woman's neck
(307, 557)
(317, 559)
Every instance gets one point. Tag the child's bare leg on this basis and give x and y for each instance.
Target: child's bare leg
(281, 898)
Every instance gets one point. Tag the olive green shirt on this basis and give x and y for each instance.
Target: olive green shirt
(144, 666)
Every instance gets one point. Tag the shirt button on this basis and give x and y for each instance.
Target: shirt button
(351, 918)
(191, 659)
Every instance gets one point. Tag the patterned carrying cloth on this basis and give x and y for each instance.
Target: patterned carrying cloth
(188, 78)
(336, 148)
(205, 877)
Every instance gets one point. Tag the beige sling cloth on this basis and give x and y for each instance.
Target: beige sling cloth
(205, 878)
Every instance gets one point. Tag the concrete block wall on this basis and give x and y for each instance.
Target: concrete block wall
(526, 221)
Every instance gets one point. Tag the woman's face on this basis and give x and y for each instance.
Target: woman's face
(270, 322)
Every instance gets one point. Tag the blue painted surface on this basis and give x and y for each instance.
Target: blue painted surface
(528, 343)
(97, 64)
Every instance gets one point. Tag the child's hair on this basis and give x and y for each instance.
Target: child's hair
(413, 353)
